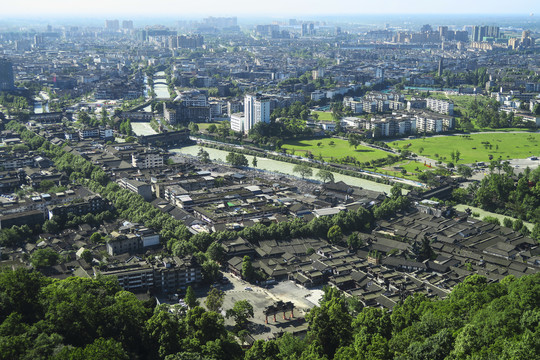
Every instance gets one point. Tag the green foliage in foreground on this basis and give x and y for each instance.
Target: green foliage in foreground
(78, 318)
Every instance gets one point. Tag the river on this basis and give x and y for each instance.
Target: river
(142, 128)
(284, 168)
(160, 86)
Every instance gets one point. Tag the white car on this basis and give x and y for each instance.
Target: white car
(248, 288)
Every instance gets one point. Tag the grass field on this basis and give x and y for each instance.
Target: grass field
(483, 214)
(503, 145)
(205, 126)
(324, 115)
(340, 149)
(410, 165)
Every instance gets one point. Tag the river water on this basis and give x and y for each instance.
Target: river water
(142, 128)
(160, 86)
(284, 168)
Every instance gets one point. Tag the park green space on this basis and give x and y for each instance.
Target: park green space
(483, 213)
(463, 102)
(205, 126)
(324, 115)
(412, 167)
(339, 149)
(473, 147)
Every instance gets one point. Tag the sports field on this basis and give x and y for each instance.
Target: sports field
(324, 115)
(474, 147)
(339, 149)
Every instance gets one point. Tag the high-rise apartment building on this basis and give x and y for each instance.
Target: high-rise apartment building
(480, 32)
(127, 24)
(6, 75)
(112, 25)
(443, 32)
(256, 110)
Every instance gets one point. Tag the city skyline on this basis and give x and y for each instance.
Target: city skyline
(169, 8)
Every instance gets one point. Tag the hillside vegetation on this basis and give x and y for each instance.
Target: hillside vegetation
(78, 318)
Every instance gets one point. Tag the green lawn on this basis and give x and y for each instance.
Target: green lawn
(503, 145)
(483, 214)
(205, 126)
(410, 165)
(324, 115)
(340, 149)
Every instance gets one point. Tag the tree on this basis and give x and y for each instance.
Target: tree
(491, 220)
(203, 156)
(210, 271)
(395, 191)
(303, 169)
(237, 159)
(44, 257)
(354, 241)
(165, 331)
(518, 224)
(46, 185)
(241, 312)
(87, 256)
(325, 175)
(98, 350)
(330, 326)
(96, 238)
(507, 222)
(535, 234)
(247, 269)
(216, 252)
(214, 299)
(212, 128)
(51, 226)
(193, 127)
(334, 234)
(261, 349)
(425, 252)
(464, 171)
(254, 161)
(355, 140)
(190, 298)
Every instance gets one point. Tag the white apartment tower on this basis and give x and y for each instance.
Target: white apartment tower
(256, 109)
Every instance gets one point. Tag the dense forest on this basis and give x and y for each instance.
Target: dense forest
(80, 318)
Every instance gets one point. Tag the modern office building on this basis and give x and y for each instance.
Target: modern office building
(256, 110)
(6, 75)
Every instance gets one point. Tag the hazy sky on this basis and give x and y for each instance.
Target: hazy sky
(279, 8)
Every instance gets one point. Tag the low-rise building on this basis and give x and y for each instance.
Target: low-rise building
(147, 159)
(92, 204)
(138, 187)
